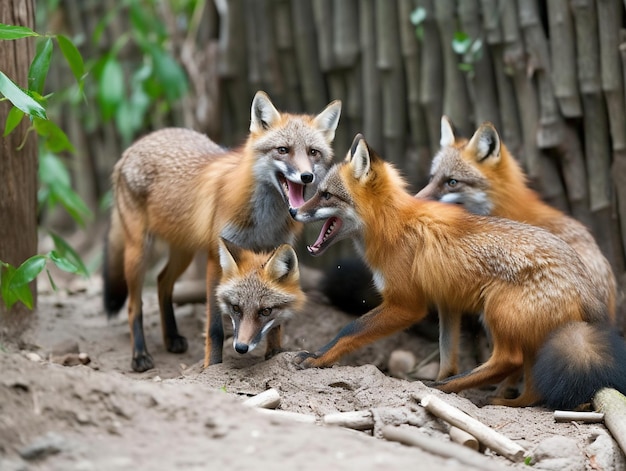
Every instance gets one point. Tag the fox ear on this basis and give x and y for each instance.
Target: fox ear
(229, 255)
(361, 161)
(485, 144)
(447, 132)
(263, 114)
(283, 264)
(328, 120)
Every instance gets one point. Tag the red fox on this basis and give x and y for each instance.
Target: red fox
(482, 176)
(179, 186)
(526, 281)
(258, 291)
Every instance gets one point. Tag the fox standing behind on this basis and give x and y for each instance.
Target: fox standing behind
(482, 176)
(528, 282)
(180, 186)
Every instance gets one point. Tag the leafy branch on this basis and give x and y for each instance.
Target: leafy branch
(55, 181)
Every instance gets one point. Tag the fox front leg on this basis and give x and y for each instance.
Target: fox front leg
(380, 322)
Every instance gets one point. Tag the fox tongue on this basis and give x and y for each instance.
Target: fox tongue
(296, 194)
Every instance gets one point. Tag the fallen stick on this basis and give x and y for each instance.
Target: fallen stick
(356, 420)
(268, 399)
(485, 435)
(438, 447)
(613, 404)
(463, 438)
(288, 415)
(571, 416)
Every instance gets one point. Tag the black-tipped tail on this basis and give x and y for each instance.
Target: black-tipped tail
(578, 360)
(114, 288)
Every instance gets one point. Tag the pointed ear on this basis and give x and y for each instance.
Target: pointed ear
(283, 264)
(328, 120)
(229, 255)
(361, 161)
(485, 144)
(263, 114)
(447, 132)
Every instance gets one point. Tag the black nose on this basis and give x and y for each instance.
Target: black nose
(293, 212)
(241, 348)
(307, 177)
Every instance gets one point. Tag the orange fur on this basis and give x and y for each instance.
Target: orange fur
(425, 252)
(179, 186)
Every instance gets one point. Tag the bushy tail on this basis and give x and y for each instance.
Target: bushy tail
(578, 360)
(115, 290)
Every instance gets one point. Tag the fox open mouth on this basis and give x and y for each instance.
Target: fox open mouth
(327, 234)
(293, 192)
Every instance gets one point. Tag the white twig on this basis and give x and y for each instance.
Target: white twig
(570, 416)
(268, 399)
(485, 435)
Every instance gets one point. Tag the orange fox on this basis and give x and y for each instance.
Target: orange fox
(481, 175)
(258, 291)
(178, 185)
(528, 282)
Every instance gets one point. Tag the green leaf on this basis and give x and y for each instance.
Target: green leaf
(110, 87)
(20, 99)
(63, 263)
(28, 271)
(8, 296)
(461, 42)
(72, 203)
(52, 170)
(39, 66)
(418, 16)
(23, 293)
(15, 32)
(14, 118)
(64, 250)
(55, 139)
(72, 56)
(169, 74)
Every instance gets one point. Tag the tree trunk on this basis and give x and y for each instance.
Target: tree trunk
(18, 168)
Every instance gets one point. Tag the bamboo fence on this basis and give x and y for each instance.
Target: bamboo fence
(549, 74)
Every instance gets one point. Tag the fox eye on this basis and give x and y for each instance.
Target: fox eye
(325, 195)
(314, 152)
(236, 308)
(266, 311)
(283, 150)
(452, 182)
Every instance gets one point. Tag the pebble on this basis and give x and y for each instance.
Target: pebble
(400, 363)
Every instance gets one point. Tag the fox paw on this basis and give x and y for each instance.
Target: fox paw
(304, 360)
(142, 362)
(176, 344)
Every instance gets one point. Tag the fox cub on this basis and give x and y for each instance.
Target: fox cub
(179, 186)
(482, 176)
(259, 291)
(526, 281)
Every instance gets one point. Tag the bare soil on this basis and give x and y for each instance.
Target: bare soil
(102, 416)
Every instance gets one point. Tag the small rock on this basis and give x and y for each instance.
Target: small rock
(42, 446)
(558, 453)
(401, 362)
(32, 356)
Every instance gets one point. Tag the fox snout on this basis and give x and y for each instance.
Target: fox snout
(241, 347)
(307, 177)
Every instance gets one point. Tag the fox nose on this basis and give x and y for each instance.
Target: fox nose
(306, 177)
(241, 348)
(293, 212)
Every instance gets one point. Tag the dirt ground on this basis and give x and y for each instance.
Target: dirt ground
(102, 416)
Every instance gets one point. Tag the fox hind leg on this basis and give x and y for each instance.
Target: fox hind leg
(214, 338)
(134, 271)
(178, 261)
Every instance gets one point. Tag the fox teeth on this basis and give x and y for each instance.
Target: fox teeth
(330, 229)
